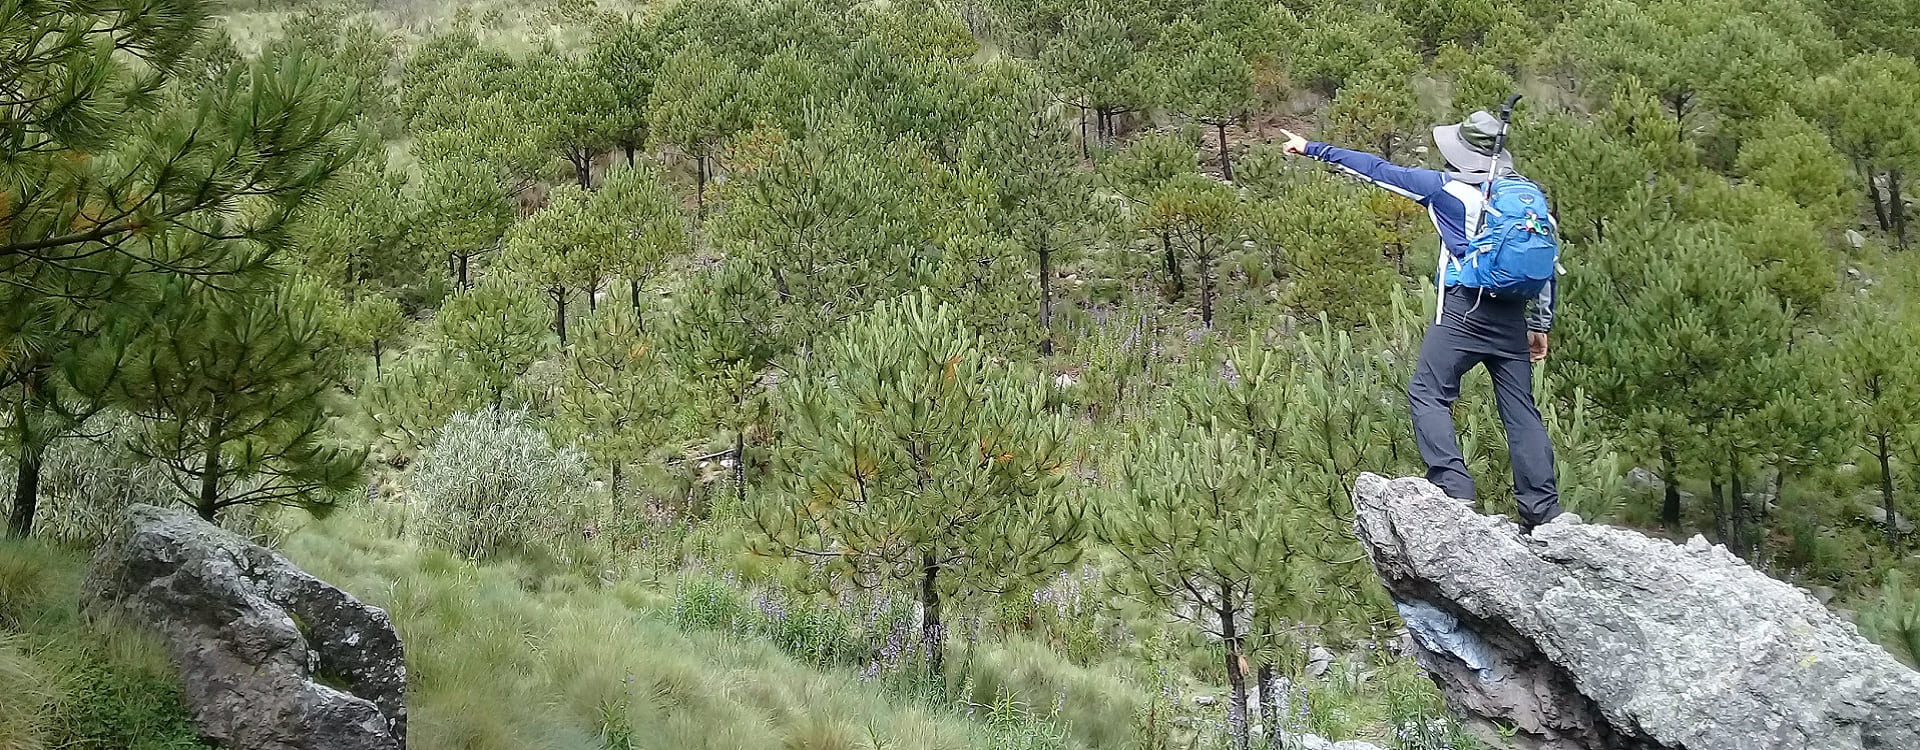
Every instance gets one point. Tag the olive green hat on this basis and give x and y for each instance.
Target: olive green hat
(1469, 147)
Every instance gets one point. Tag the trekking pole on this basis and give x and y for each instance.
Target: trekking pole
(1499, 145)
(1500, 139)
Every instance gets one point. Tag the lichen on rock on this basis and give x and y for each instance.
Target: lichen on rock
(1586, 637)
(270, 657)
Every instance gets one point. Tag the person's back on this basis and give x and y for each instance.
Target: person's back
(1503, 330)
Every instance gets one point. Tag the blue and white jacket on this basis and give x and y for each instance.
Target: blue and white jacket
(1454, 205)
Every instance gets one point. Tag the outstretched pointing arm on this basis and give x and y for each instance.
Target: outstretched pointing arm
(1412, 182)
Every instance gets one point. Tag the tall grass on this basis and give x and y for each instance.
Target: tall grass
(508, 655)
(69, 683)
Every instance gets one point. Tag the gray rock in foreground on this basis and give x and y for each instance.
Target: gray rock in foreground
(1592, 637)
(270, 658)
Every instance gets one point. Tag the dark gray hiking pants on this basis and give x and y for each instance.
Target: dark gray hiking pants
(1445, 356)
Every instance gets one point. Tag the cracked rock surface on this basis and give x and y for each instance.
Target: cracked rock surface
(270, 657)
(1584, 637)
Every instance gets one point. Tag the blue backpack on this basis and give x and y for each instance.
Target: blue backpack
(1517, 248)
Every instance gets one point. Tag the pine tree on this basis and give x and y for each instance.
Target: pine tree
(721, 339)
(618, 398)
(372, 322)
(1101, 68)
(137, 163)
(1871, 106)
(1213, 85)
(369, 235)
(1792, 157)
(478, 117)
(1039, 198)
(830, 222)
(627, 57)
(694, 106)
(234, 387)
(1696, 58)
(1376, 111)
(496, 329)
(1199, 216)
(909, 456)
(580, 110)
(1693, 358)
(644, 229)
(1325, 241)
(417, 395)
(1198, 518)
(1136, 173)
(1882, 374)
(1223, 506)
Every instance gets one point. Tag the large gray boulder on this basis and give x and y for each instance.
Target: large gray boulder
(270, 658)
(1591, 637)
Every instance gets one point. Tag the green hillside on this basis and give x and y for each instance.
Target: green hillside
(915, 374)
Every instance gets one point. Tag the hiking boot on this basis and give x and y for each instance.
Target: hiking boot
(1561, 518)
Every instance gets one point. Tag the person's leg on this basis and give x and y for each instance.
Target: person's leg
(1528, 448)
(1435, 386)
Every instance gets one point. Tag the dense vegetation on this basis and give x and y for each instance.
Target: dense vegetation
(730, 373)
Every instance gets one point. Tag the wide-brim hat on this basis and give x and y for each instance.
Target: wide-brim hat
(1469, 147)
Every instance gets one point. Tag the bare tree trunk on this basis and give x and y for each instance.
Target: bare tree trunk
(1779, 491)
(1046, 296)
(582, 167)
(1719, 510)
(32, 451)
(1226, 163)
(932, 634)
(1206, 284)
(1873, 196)
(1172, 263)
(1236, 679)
(740, 465)
(1742, 541)
(632, 290)
(780, 284)
(1085, 151)
(700, 186)
(1670, 506)
(1896, 207)
(26, 492)
(210, 481)
(1886, 490)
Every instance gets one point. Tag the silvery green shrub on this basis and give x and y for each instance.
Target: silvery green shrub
(493, 481)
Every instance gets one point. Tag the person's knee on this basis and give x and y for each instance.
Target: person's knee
(1423, 395)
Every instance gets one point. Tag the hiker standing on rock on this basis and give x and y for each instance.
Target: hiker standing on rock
(1495, 276)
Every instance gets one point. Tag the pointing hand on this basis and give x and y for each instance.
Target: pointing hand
(1295, 144)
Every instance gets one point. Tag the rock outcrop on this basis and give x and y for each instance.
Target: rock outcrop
(270, 658)
(1591, 637)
